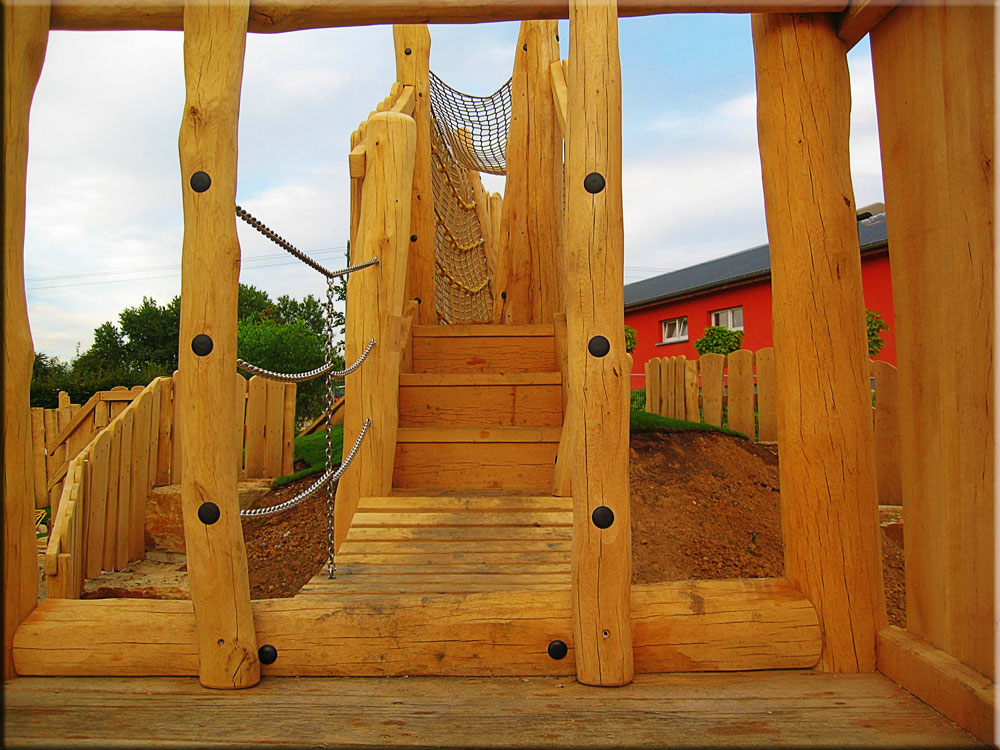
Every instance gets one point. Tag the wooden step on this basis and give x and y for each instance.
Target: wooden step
(480, 400)
(485, 349)
(478, 434)
(526, 467)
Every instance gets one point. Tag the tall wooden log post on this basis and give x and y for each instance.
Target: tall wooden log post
(413, 55)
(828, 495)
(934, 89)
(597, 362)
(214, 44)
(25, 36)
(531, 221)
(375, 297)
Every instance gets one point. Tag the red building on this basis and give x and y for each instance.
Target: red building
(670, 312)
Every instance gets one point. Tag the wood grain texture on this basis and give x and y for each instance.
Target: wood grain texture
(108, 557)
(828, 496)
(480, 351)
(712, 366)
(38, 456)
(959, 692)
(602, 559)
(98, 503)
(508, 466)
(288, 430)
(378, 295)
(274, 16)
(739, 402)
(934, 83)
(668, 404)
(25, 37)
(273, 443)
(256, 421)
(692, 402)
(140, 476)
(531, 221)
(887, 438)
(653, 390)
(860, 17)
(214, 44)
(489, 405)
(412, 70)
(680, 404)
(767, 396)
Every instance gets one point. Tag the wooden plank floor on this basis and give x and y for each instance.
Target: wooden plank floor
(742, 709)
(443, 545)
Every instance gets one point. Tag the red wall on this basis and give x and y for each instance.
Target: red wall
(755, 297)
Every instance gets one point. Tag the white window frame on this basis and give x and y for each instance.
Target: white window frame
(675, 339)
(729, 317)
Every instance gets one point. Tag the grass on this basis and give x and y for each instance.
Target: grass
(312, 450)
(643, 421)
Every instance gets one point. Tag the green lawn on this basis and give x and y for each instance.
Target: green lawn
(643, 421)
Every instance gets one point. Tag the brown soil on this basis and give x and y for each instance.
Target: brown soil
(704, 505)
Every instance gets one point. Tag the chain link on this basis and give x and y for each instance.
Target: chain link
(286, 377)
(294, 251)
(331, 564)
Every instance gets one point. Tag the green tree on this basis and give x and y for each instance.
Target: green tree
(254, 304)
(150, 334)
(718, 340)
(308, 311)
(631, 339)
(875, 325)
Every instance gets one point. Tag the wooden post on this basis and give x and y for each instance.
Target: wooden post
(828, 502)
(598, 364)
(376, 295)
(531, 220)
(413, 55)
(214, 44)
(934, 86)
(25, 35)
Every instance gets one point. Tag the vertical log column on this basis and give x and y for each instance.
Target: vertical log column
(934, 89)
(214, 43)
(530, 243)
(598, 364)
(828, 498)
(413, 55)
(25, 36)
(375, 305)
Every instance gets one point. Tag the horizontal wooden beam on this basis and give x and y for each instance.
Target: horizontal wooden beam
(679, 626)
(270, 16)
(860, 17)
(955, 689)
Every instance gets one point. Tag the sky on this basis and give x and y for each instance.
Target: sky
(104, 223)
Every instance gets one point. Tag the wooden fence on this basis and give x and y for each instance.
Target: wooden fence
(744, 382)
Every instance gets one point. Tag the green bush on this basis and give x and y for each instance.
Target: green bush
(631, 340)
(875, 325)
(719, 340)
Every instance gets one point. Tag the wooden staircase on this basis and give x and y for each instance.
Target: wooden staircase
(471, 508)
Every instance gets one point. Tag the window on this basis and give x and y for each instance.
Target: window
(731, 318)
(675, 329)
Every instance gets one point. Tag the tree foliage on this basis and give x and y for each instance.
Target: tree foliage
(719, 340)
(631, 339)
(875, 325)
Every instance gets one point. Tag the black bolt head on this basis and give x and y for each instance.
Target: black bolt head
(267, 654)
(208, 513)
(407, 51)
(200, 182)
(598, 346)
(593, 182)
(602, 517)
(201, 345)
(413, 238)
(503, 295)
(558, 650)
(524, 47)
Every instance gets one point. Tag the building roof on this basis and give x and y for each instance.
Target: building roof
(741, 266)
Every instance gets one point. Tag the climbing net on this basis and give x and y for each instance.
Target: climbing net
(468, 134)
(331, 475)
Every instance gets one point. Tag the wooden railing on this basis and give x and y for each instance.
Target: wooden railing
(382, 166)
(745, 385)
(58, 435)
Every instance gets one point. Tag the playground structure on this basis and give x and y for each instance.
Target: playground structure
(530, 450)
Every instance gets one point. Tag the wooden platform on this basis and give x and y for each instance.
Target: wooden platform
(755, 709)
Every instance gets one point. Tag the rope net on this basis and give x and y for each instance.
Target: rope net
(467, 133)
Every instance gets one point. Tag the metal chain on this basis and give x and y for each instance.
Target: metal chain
(330, 496)
(328, 478)
(294, 251)
(286, 377)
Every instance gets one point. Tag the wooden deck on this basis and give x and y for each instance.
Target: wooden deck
(444, 545)
(783, 708)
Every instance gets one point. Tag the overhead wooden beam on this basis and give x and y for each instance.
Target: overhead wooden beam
(25, 36)
(214, 45)
(270, 16)
(680, 626)
(828, 496)
(860, 17)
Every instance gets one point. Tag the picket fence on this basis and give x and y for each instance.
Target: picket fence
(742, 386)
